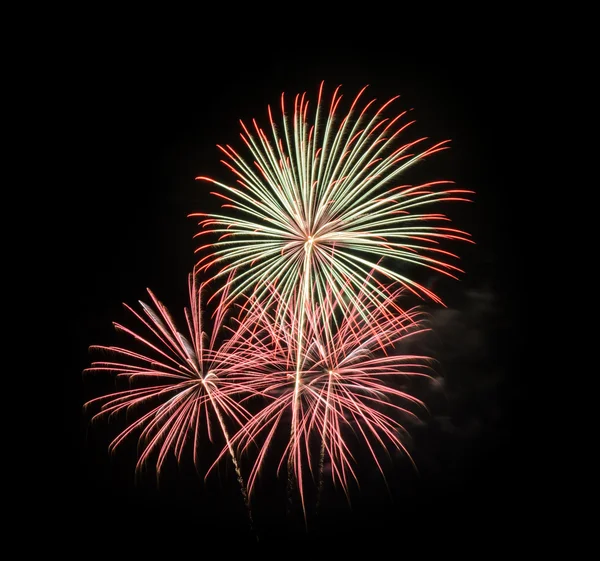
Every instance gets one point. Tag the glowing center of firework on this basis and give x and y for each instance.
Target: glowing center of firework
(308, 244)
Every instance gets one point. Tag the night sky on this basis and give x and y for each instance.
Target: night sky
(148, 121)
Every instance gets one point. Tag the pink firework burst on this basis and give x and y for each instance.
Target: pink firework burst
(180, 384)
(351, 373)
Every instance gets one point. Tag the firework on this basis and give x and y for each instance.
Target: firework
(179, 385)
(319, 204)
(349, 388)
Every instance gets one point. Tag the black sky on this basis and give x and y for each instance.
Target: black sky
(147, 122)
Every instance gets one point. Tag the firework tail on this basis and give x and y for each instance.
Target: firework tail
(236, 465)
(322, 453)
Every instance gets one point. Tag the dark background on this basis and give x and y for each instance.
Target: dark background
(147, 121)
